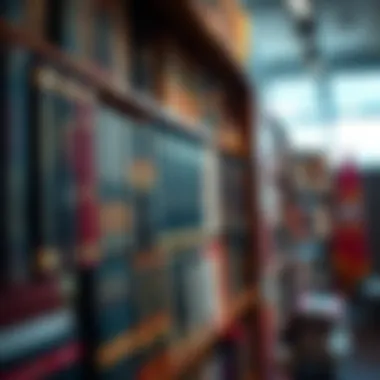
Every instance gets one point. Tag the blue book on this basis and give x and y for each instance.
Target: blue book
(54, 188)
(112, 283)
(14, 78)
(146, 195)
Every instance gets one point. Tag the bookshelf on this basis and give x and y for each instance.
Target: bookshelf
(147, 344)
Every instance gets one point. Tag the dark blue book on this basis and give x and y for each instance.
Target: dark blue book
(54, 198)
(15, 89)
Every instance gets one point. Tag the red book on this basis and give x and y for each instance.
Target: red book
(19, 303)
(88, 208)
(351, 255)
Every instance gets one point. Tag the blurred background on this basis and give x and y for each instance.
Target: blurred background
(189, 189)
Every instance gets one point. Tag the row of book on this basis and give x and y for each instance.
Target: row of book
(108, 208)
(104, 216)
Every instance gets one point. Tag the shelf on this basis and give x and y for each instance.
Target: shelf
(133, 340)
(193, 349)
(188, 25)
(130, 101)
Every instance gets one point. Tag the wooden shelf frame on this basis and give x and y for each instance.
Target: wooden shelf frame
(183, 18)
(130, 102)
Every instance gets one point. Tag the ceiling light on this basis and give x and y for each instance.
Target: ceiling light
(301, 9)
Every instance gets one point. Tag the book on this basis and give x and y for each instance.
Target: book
(60, 192)
(147, 47)
(236, 248)
(121, 44)
(112, 281)
(15, 235)
(212, 199)
(28, 14)
(144, 177)
(150, 273)
(47, 346)
(233, 195)
(70, 26)
(111, 41)
(181, 223)
(64, 210)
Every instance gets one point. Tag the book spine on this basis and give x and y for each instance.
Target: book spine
(113, 278)
(70, 25)
(144, 177)
(54, 191)
(121, 44)
(146, 56)
(88, 213)
(103, 35)
(88, 249)
(27, 345)
(67, 186)
(14, 108)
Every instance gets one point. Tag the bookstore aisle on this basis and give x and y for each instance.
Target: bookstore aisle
(129, 229)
